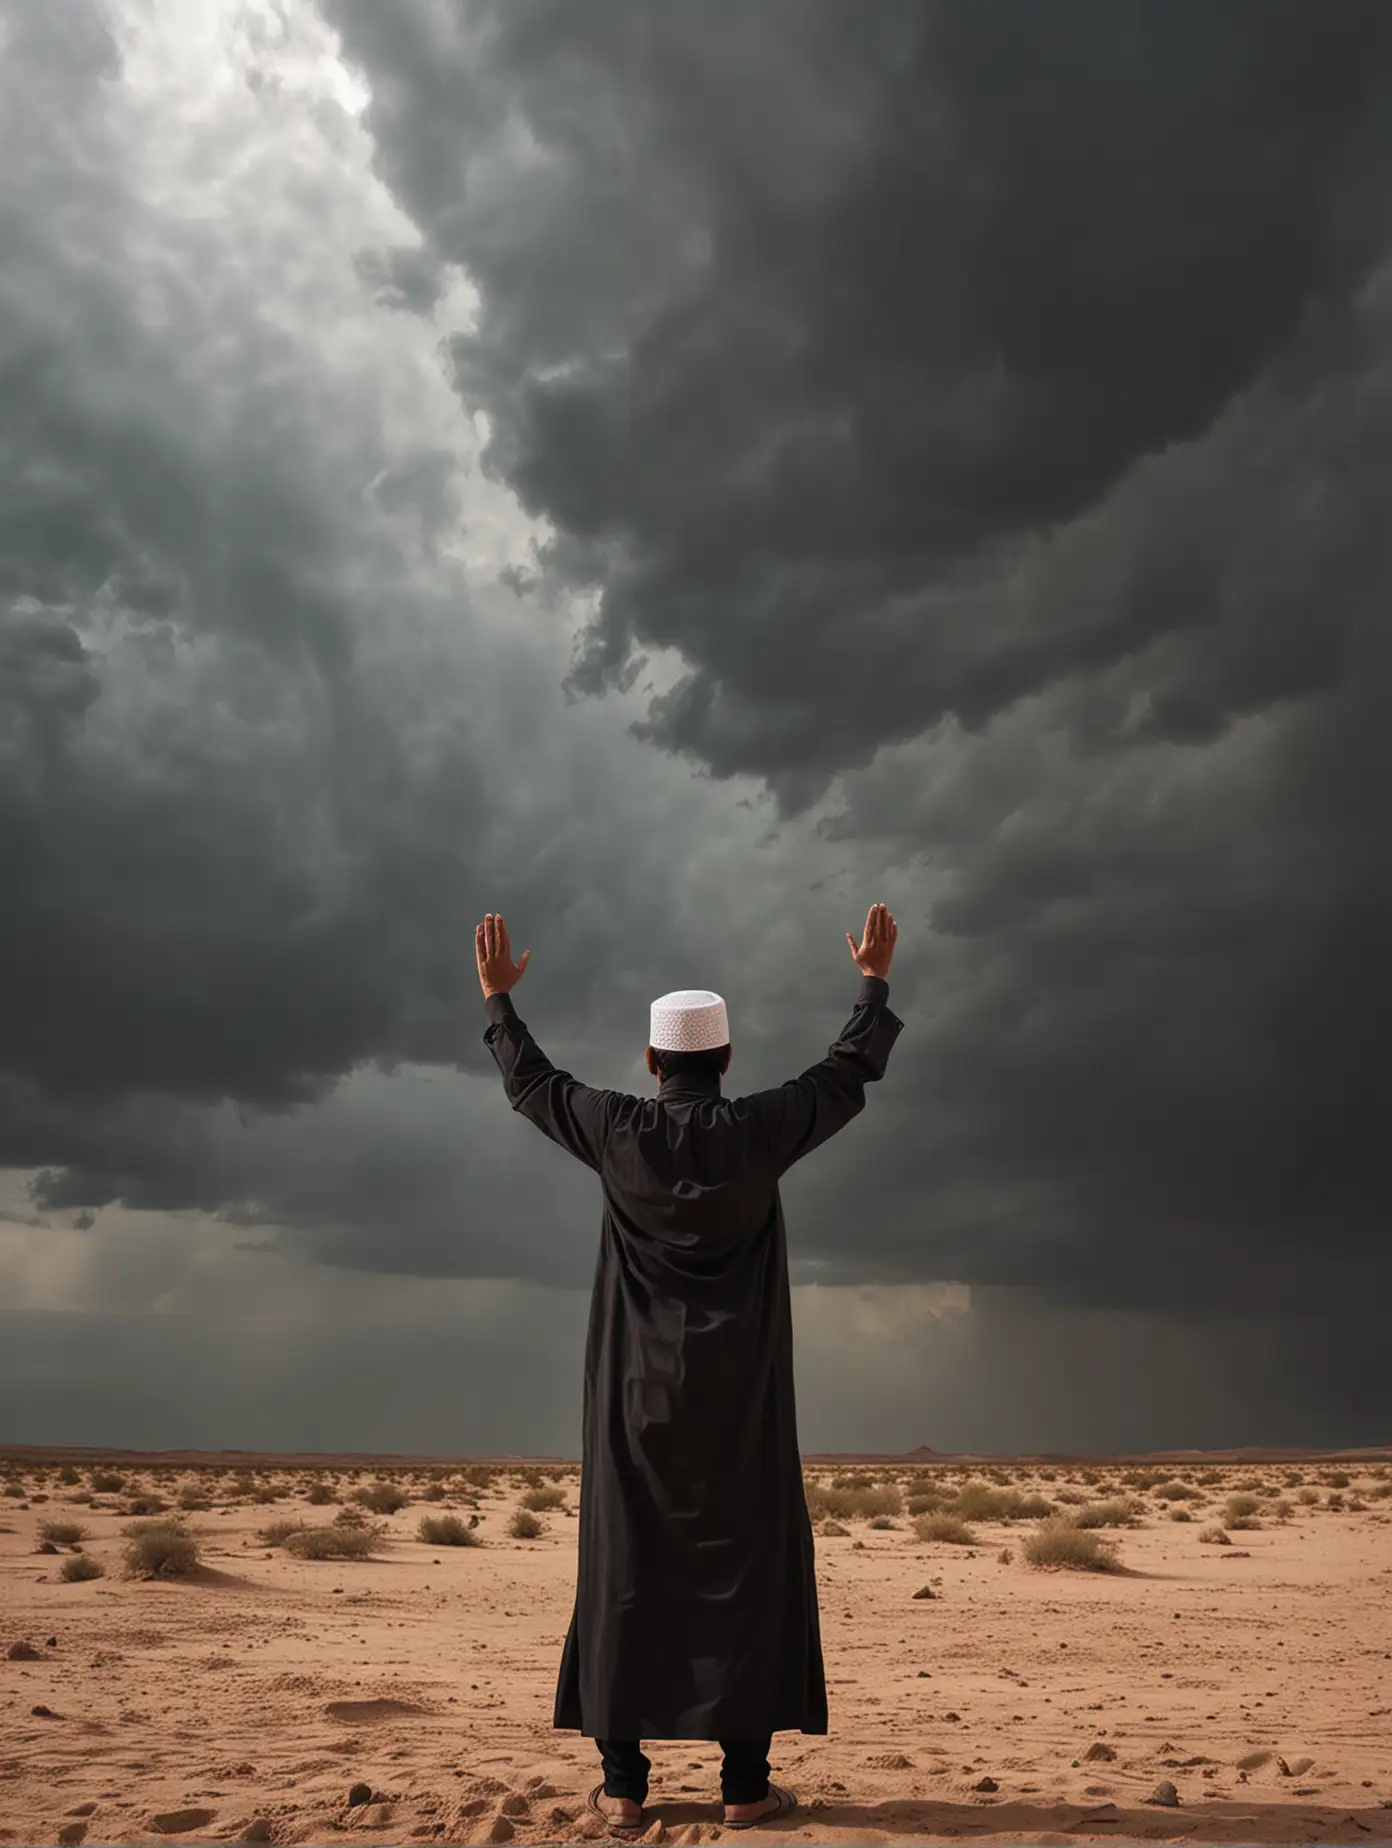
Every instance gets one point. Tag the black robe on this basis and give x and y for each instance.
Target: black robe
(695, 1611)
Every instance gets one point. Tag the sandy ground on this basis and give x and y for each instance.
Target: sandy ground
(244, 1701)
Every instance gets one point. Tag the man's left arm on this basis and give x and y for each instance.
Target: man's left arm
(568, 1112)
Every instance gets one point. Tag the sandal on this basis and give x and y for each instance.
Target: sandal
(618, 1828)
(786, 1802)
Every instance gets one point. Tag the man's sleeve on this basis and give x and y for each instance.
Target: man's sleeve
(808, 1110)
(570, 1113)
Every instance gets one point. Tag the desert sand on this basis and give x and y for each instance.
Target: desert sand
(244, 1697)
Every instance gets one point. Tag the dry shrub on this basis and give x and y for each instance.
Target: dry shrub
(539, 1498)
(924, 1501)
(381, 1497)
(447, 1530)
(943, 1526)
(1178, 1491)
(978, 1501)
(434, 1492)
(333, 1542)
(350, 1517)
(1241, 1511)
(1214, 1536)
(276, 1533)
(318, 1494)
(524, 1525)
(862, 1504)
(1308, 1497)
(882, 1521)
(106, 1482)
(1059, 1542)
(81, 1566)
(146, 1504)
(62, 1533)
(159, 1549)
(1117, 1512)
(1334, 1500)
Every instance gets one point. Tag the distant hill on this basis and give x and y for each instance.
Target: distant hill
(921, 1455)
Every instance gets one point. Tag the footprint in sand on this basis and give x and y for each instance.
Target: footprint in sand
(363, 1712)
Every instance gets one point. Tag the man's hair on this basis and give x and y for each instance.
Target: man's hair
(710, 1059)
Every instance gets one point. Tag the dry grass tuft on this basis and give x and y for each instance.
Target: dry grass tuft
(336, 1541)
(448, 1530)
(381, 1497)
(81, 1566)
(1058, 1542)
(538, 1498)
(62, 1533)
(944, 1526)
(159, 1549)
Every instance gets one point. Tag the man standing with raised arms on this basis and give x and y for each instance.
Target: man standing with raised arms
(695, 1611)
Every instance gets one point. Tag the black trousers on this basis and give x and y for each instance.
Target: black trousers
(744, 1776)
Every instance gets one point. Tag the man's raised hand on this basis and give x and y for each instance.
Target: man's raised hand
(497, 971)
(877, 946)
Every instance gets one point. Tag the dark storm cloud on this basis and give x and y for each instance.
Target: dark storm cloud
(1016, 382)
(209, 885)
(796, 319)
(1006, 387)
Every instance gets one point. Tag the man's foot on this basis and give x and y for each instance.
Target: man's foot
(746, 1812)
(619, 1809)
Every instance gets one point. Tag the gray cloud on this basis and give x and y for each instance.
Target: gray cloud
(963, 429)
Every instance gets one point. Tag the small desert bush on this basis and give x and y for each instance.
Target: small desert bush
(333, 1542)
(539, 1498)
(193, 1500)
(146, 1504)
(1118, 1512)
(1178, 1491)
(1180, 1514)
(1308, 1497)
(159, 1549)
(1240, 1511)
(448, 1530)
(107, 1482)
(81, 1566)
(434, 1492)
(1281, 1509)
(882, 1521)
(381, 1497)
(318, 1494)
(350, 1517)
(978, 1501)
(942, 1526)
(862, 1504)
(1337, 1479)
(62, 1533)
(267, 1492)
(1058, 1542)
(1214, 1536)
(524, 1525)
(1334, 1500)
(924, 1502)
(276, 1533)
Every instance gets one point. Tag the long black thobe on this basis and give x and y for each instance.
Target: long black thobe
(695, 1611)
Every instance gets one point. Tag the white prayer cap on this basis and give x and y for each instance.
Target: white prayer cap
(688, 1020)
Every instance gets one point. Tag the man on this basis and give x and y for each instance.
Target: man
(695, 1611)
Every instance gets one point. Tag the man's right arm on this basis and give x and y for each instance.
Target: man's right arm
(806, 1111)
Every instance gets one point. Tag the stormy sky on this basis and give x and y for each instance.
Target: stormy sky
(675, 476)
